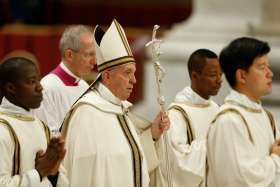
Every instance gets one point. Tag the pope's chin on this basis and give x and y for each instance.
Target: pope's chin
(126, 96)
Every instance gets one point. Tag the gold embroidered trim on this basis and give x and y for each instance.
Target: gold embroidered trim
(124, 40)
(115, 62)
(47, 132)
(18, 116)
(137, 160)
(243, 106)
(137, 165)
(16, 158)
(190, 131)
(65, 124)
(195, 105)
(272, 122)
(242, 117)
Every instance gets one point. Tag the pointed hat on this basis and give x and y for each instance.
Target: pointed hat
(112, 48)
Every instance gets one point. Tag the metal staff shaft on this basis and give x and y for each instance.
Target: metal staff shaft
(160, 73)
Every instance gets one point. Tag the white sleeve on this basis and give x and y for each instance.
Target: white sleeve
(29, 178)
(189, 160)
(149, 148)
(151, 151)
(233, 158)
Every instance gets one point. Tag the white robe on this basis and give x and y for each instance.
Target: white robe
(239, 151)
(98, 152)
(189, 159)
(58, 98)
(32, 137)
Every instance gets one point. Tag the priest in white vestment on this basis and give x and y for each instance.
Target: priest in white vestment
(243, 141)
(106, 148)
(190, 116)
(64, 85)
(28, 155)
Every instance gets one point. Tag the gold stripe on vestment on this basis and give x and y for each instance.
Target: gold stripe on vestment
(136, 156)
(16, 157)
(47, 132)
(243, 106)
(195, 104)
(233, 110)
(272, 122)
(190, 130)
(18, 116)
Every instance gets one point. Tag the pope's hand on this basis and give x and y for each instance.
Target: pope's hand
(160, 124)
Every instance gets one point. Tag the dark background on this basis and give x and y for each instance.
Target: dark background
(137, 13)
(36, 26)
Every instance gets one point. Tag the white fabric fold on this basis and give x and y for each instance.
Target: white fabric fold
(189, 158)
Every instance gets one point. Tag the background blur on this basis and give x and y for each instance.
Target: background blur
(36, 25)
(186, 25)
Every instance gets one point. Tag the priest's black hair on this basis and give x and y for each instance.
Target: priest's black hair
(240, 54)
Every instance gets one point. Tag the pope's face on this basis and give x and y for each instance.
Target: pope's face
(121, 80)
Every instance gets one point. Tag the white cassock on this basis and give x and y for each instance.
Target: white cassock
(21, 137)
(190, 116)
(239, 144)
(61, 89)
(103, 147)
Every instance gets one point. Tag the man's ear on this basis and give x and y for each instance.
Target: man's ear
(105, 76)
(68, 55)
(240, 75)
(10, 88)
(194, 76)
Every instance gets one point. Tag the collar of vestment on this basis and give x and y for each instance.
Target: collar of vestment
(103, 99)
(189, 97)
(65, 75)
(9, 109)
(239, 99)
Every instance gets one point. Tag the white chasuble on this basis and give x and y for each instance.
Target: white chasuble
(190, 117)
(21, 137)
(239, 144)
(102, 143)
